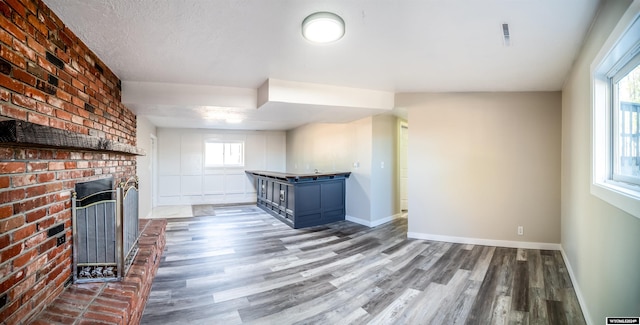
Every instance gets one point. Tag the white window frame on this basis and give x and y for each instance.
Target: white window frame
(616, 75)
(224, 164)
(622, 46)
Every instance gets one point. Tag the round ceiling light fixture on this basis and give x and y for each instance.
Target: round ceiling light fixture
(323, 27)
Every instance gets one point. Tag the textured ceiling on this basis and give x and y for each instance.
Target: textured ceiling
(393, 46)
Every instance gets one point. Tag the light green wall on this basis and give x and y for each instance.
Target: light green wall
(601, 242)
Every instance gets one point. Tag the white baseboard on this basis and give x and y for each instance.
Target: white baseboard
(576, 288)
(373, 223)
(485, 242)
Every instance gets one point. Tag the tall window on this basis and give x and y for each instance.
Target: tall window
(626, 123)
(224, 154)
(615, 82)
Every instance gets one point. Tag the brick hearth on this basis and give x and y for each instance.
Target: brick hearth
(112, 302)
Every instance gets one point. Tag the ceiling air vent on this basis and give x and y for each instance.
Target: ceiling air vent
(506, 36)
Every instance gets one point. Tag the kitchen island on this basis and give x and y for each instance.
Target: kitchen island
(302, 200)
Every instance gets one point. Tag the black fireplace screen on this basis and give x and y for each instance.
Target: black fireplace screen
(105, 230)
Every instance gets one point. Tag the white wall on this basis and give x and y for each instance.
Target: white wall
(359, 147)
(145, 130)
(482, 164)
(182, 178)
(601, 242)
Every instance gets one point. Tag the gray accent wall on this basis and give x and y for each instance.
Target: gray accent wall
(601, 242)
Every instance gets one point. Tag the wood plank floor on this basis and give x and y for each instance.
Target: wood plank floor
(238, 265)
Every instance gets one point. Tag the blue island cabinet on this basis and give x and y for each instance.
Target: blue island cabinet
(302, 200)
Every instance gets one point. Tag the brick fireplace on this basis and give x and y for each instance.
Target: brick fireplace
(48, 77)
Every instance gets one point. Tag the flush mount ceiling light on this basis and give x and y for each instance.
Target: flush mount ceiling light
(323, 27)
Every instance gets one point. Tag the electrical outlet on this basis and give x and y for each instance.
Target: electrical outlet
(61, 240)
(382, 164)
(520, 230)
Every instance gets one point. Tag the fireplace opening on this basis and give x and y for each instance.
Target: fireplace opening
(105, 229)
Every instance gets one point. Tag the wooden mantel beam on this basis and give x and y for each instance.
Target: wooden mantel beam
(27, 134)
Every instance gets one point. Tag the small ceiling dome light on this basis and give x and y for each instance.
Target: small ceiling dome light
(323, 27)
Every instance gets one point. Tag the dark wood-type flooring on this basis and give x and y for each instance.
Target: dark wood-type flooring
(238, 265)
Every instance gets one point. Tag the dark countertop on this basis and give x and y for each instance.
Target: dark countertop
(294, 177)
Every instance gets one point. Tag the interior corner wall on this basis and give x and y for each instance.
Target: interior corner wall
(145, 130)
(483, 164)
(367, 148)
(337, 147)
(601, 242)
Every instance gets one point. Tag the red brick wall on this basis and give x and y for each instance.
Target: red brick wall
(49, 77)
